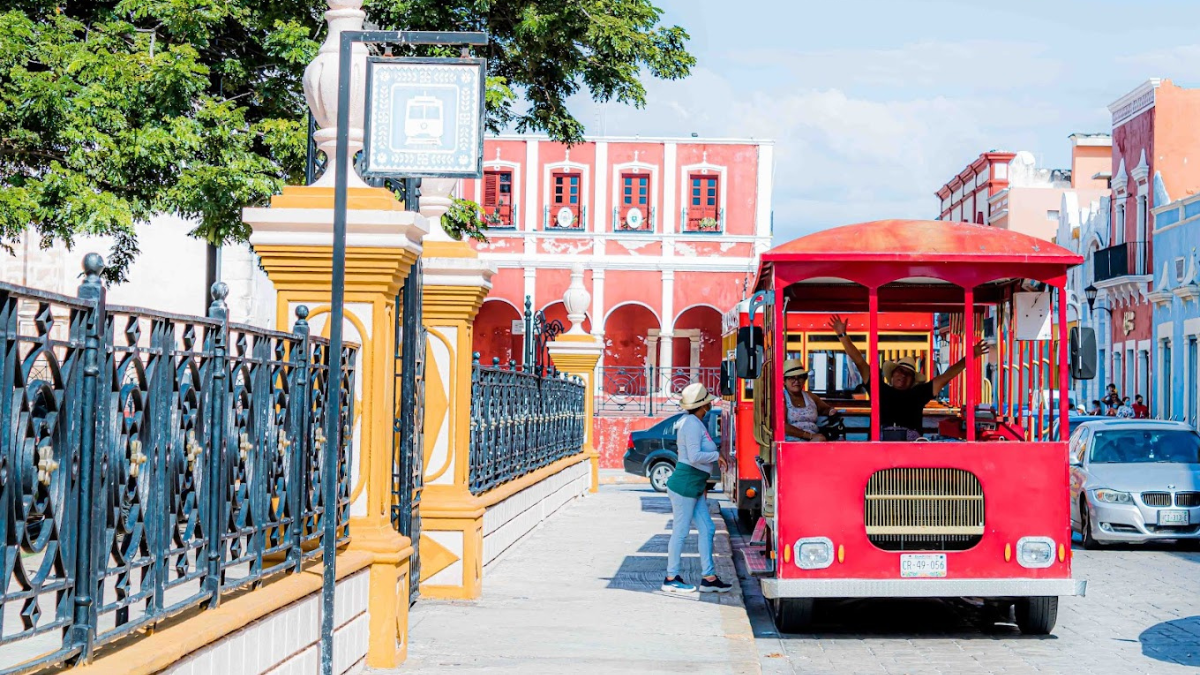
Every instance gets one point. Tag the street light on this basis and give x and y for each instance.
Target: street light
(1090, 293)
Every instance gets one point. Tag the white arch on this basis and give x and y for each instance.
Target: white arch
(601, 328)
(519, 310)
(695, 306)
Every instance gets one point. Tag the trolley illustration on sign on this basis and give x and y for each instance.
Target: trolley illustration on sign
(423, 121)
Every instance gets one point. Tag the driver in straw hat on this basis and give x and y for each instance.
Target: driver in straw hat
(903, 391)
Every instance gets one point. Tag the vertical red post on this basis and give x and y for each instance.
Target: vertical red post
(778, 354)
(970, 395)
(873, 357)
(1064, 374)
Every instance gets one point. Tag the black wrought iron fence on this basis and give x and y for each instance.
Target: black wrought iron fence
(648, 390)
(151, 463)
(522, 419)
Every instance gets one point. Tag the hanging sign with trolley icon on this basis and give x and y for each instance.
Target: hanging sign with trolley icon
(424, 118)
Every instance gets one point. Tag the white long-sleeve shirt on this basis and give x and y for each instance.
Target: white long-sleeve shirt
(696, 448)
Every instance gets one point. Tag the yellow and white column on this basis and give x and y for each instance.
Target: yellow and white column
(294, 240)
(577, 353)
(455, 283)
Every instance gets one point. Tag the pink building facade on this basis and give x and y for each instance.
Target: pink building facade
(667, 230)
(1154, 145)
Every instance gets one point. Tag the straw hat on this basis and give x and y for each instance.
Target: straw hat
(695, 395)
(908, 363)
(795, 368)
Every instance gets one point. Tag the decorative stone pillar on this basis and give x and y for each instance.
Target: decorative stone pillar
(294, 242)
(455, 282)
(577, 353)
(665, 361)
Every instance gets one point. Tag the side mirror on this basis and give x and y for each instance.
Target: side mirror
(1083, 353)
(728, 378)
(749, 352)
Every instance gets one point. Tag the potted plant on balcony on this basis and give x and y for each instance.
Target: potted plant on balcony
(708, 225)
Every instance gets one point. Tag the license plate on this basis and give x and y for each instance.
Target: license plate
(1173, 518)
(923, 565)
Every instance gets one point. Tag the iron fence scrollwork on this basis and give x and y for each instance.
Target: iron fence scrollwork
(649, 390)
(151, 463)
(538, 334)
(408, 445)
(521, 421)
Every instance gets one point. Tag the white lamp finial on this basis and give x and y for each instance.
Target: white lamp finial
(321, 88)
(577, 300)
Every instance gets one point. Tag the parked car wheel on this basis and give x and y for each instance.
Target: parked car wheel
(793, 615)
(659, 474)
(1036, 616)
(1085, 525)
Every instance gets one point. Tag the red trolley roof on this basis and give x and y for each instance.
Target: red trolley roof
(921, 241)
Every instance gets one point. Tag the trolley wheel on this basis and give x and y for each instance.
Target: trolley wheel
(746, 519)
(1036, 616)
(793, 615)
(1085, 524)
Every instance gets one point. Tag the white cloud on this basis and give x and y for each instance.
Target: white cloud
(846, 155)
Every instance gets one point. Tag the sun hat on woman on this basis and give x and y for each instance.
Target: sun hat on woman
(795, 368)
(695, 395)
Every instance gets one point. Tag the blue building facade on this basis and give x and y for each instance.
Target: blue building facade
(1176, 298)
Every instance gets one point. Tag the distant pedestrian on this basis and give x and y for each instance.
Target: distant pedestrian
(1111, 397)
(1096, 409)
(1125, 411)
(1140, 411)
(686, 488)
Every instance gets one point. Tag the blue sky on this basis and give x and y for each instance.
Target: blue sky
(874, 104)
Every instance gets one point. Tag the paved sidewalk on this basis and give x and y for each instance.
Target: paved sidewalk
(580, 595)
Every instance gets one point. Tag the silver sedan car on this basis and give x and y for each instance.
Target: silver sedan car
(1134, 481)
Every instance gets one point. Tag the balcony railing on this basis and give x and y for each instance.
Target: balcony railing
(1122, 260)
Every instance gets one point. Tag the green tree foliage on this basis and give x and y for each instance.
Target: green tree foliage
(114, 110)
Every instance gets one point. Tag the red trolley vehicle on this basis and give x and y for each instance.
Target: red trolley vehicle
(835, 379)
(973, 508)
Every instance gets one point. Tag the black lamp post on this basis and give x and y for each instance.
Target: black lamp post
(1090, 293)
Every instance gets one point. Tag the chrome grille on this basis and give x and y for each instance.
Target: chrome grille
(924, 509)
(1187, 499)
(1156, 498)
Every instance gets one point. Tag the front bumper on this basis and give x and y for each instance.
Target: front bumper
(920, 588)
(1135, 523)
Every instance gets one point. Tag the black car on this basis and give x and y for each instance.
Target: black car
(652, 453)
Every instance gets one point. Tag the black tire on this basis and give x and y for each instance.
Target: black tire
(793, 615)
(1085, 524)
(659, 474)
(746, 520)
(1036, 616)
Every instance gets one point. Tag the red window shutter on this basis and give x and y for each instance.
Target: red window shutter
(704, 199)
(635, 193)
(491, 190)
(497, 198)
(566, 192)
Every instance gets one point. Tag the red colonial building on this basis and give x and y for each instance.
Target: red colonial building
(668, 231)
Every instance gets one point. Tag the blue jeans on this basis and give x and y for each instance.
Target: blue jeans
(686, 511)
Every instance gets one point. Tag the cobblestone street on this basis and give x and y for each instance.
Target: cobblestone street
(1141, 615)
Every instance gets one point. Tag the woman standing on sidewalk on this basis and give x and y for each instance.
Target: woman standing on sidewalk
(687, 487)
